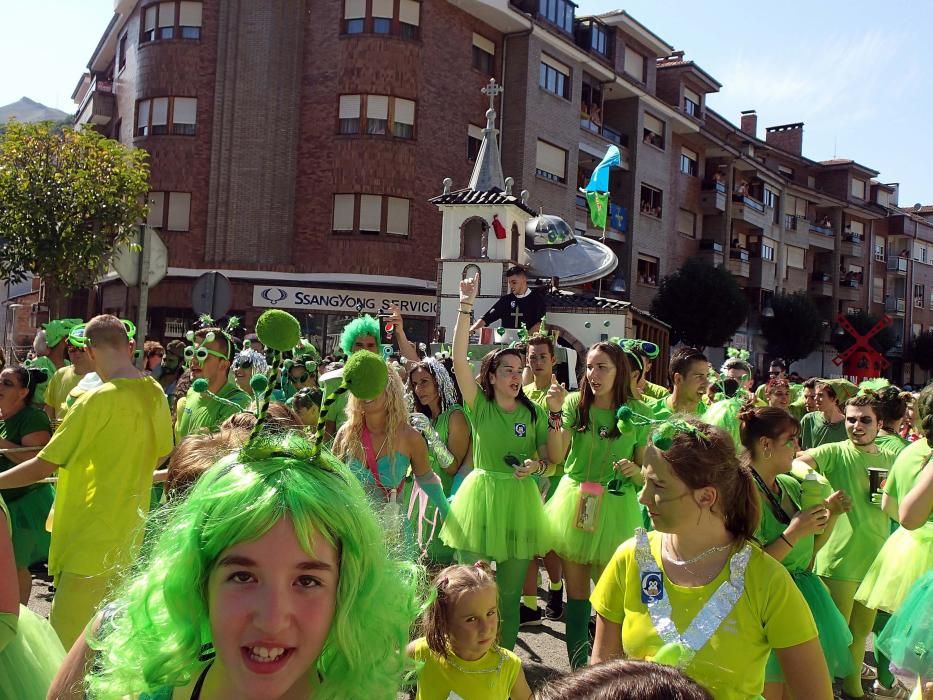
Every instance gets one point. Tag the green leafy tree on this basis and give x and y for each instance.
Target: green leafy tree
(921, 350)
(795, 329)
(703, 304)
(67, 199)
(864, 322)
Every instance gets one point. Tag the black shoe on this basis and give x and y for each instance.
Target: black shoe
(555, 604)
(529, 616)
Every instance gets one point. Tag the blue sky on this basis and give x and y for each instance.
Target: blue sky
(857, 73)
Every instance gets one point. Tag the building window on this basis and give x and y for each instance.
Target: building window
(770, 198)
(383, 10)
(344, 211)
(858, 188)
(786, 172)
(184, 116)
(380, 110)
(169, 211)
(554, 77)
(409, 18)
(377, 115)
(767, 252)
(647, 270)
(349, 114)
(877, 290)
(403, 119)
(651, 201)
(653, 131)
(474, 141)
(599, 39)
(687, 223)
(371, 214)
(121, 53)
(153, 116)
(558, 12)
(919, 296)
(382, 19)
(171, 20)
(691, 102)
(551, 162)
(397, 217)
(688, 161)
(880, 246)
(484, 54)
(634, 65)
(795, 257)
(354, 16)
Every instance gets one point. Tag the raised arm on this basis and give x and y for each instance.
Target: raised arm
(462, 368)
(917, 505)
(405, 346)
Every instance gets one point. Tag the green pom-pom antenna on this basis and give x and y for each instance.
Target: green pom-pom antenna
(624, 413)
(365, 375)
(200, 385)
(258, 383)
(278, 330)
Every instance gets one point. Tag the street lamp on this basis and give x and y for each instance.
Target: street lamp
(12, 329)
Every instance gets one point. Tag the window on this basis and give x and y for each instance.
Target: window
(786, 172)
(189, 20)
(381, 19)
(551, 162)
(153, 116)
(916, 329)
(599, 39)
(160, 115)
(917, 248)
(484, 54)
(880, 246)
(919, 296)
(380, 110)
(349, 114)
(767, 251)
(474, 141)
(855, 231)
(171, 20)
(688, 161)
(169, 211)
(121, 53)
(634, 65)
(409, 18)
(184, 116)
(877, 290)
(687, 223)
(858, 188)
(354, 20)
(397, 217)
(647, 270)
(149, 23)
(377, 114)
(344, 211)
(377, 214)
(795, 257)
(691, 102)
(770, 198)
(166, 28)
(382, 16)
(558, 12)
(403, 125)
(653, 131)
(370, 213)
(651, 201)
(554, 77)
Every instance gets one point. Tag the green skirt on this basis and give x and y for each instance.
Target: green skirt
(905, 557)
(29, 663)
(907, 639)
(498, 517)
(835, 636)
(27, 518)
(616, 520)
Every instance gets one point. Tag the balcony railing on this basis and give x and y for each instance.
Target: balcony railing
(608, 133)
(850, 282)
(710, 245)
(821, 230)
(897, 264)
(749, 202)
(856, 238)
(821, 277)
(714, 185)
(738, 254)
(895, 305)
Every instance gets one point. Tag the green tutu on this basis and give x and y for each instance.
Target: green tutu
(905, 557)
(28, 664)
(28, 514)
(835, 636)
(907, 639)
(498, 517)
(616, 521)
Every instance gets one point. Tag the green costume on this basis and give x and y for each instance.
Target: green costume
(816, 431)
(202, 411)
(655, 391)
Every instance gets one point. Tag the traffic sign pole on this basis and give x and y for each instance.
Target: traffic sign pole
(145, 236)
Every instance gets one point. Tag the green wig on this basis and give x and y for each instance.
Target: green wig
(364, 325)
(161, 625)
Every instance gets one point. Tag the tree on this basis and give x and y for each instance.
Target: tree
(864, 322)
(701, 303)
(795, 329)
(67, 199)
(921, 350)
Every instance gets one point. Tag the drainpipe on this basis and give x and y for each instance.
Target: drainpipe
(505, 53)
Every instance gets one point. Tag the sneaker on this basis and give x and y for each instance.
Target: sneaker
(529, 616)
(555, 605)
(898, 690)
(868, 673)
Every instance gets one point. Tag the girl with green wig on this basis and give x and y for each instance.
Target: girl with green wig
(270, 580)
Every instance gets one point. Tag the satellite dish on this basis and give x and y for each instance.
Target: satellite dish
(918, 206)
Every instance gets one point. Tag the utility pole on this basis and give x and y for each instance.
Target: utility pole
(145, 239)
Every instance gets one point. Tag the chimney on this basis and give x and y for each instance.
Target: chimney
(750, 123)
(787, 137)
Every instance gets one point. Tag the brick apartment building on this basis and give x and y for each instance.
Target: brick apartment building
(301, 166)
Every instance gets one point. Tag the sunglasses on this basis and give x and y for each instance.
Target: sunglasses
(647, 348)
(201, 353)
(303, 377)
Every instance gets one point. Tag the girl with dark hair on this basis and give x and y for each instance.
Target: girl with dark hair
(699, 593)
(890, 406)
(792, 534)
(23, 425)
(595, 506)
(622, 678)
(498, 514)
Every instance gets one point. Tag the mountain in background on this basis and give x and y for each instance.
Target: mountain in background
(26, 110)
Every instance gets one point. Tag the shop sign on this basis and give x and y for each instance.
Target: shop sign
(342, 301)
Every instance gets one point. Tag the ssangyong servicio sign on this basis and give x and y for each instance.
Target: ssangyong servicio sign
(341, 301)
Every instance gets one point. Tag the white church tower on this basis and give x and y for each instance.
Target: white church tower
(483, 228)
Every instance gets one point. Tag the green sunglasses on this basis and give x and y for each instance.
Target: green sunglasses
(645, 347)
(201, 353)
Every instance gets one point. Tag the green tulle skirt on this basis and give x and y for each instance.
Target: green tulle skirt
(835, 636)
(498, 517)
(29, 663)
(616, 520)
(905, 557)
(907, 639)
(27, 518)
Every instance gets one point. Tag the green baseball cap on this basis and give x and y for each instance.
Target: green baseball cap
(843, 388)
(56, 331)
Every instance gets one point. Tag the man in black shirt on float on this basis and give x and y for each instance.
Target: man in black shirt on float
(521, 305)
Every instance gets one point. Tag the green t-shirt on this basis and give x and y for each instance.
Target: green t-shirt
(38, 398)
(592, 452)
(662, 410)
(771, 528)
(25, 422)
(498, 434)
(859, 534)
(655, 391)
(815, 431)
(337, 411)
(58, 388)
(203, 411)
(906, 470)
(537, 396)
(892, 443)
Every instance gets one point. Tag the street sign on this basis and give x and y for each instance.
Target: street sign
(212, 295)
(126, 261)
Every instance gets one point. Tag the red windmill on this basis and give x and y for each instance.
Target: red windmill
(861, 360)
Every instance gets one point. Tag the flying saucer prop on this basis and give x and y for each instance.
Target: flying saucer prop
(587, 261)
(546, 231)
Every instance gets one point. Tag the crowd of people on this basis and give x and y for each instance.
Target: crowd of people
(234, 517)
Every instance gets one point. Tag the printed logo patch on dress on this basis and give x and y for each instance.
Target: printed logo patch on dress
(652, 586)
(520, 429)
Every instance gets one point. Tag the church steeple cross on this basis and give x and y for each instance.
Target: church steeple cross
(492, 90)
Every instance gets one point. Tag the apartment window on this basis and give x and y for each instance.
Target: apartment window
(917, 247)
(484, 54)
(169, 211)
(558, 12)
(409, 18)
(767, 252)
(349, 114)
(189, 20)
(354, 19)
(380, 111)
(919, 296)
(786, 172)
(377, 115)
(647, 270)
(371, 214)
(344, 210)
(795, 257)
(172, 20)
(153, 116)
(381, 19)
(397, 216)
(858, 188)
(688, 161)
(687, 223)
(855, 231)
(880, 246)
(554, 77)
(121, 53)
(551, 162)
(691, 102)
(634, 65)
(599, 39)
(653, 131)
(877, 290)
(150, 15)
(770, 198)
(474, 141)
(651, 201)
(931, 300)
(184, 116)
(403, 125)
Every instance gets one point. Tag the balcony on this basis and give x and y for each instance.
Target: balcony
(822, 236)
(852, 244)
(749, 210)
(710, 251)
(713, 197)
(896, 306)
(593, 126)
(98, 105)
(821, 284)
(898, 266)
(763, 273)
(849, 288)
(738, 263)
(595, 38)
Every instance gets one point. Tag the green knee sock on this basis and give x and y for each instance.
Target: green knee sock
(577, 616)
(530, 601)
(556, 586)
(885, 677)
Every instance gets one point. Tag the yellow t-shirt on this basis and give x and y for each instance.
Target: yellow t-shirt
(440, 679)
(58, 388)
(107, 447)
(771, 613)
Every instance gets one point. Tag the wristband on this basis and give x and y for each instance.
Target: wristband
(786, 541)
